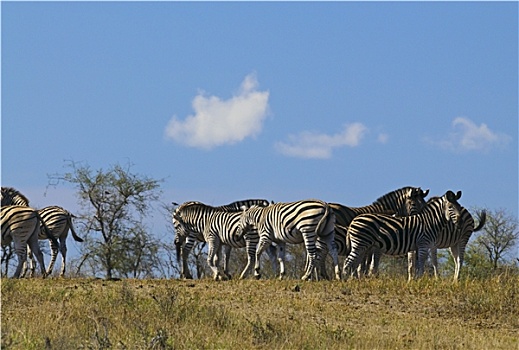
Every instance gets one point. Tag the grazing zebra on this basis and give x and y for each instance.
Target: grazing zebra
(11, 196)
(59, 222)
(21, 225)
(400, 235)
(190, 220)
(402, 202)
(308, 221)
(452, 237)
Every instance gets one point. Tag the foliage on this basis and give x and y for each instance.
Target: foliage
(381, 313)
(499, 236)
(114, 203)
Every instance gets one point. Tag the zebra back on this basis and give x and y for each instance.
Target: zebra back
(11, 196)
(18, 220)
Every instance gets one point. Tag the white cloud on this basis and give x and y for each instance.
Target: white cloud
(217, 122)
(314, 145)
(383, 138)
(468, 136)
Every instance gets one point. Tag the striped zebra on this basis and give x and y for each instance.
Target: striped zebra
(308, 221)
(11, 196)
(190, 221)
(452, 237)
(59, 222)
(21, 225)
(401, 202)
(400, 235)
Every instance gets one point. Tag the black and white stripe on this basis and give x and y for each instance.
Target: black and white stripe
(455, 238)
(11, 196)
(58, 222)
(308, 221)
(21, 225)
(401, 202)
(197, 222)
(400, 235)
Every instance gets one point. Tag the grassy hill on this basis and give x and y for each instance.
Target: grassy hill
(377, 313)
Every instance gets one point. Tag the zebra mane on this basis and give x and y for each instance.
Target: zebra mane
(11, 193)
(393, 194)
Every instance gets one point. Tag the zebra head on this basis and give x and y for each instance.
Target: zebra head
(249, 218)
(415, 201)
(452, 209)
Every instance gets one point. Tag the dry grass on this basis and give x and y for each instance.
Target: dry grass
(268, 314)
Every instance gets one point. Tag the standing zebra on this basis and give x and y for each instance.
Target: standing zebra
(190, 221)
(401, 202)
(308, 221)
(400, 235)
(455, 238)
(59, 222)
(21, 225)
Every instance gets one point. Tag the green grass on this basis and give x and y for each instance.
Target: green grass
(377, 313)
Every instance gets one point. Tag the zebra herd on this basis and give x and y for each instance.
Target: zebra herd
(400, 222)
(24, 226)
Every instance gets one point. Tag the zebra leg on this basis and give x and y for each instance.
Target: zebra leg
(434, 261)
(20, 248)
(323, 253)
(63, 251)
(422, 253)
(29, 264)
(250, 245)
(323, 248)
(272, 252)
(311, 251)
(281, 259)
(53, 255)
(352, 262)
(212, 256)
(264, 242)
(227, 255)
(411, 265)
(184, 252)
(35, 247)
(375, 262)
(458, 260)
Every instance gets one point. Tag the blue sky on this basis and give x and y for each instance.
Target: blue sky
(333, 100)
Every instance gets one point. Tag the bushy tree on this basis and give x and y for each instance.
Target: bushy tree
(498, 237)
(114, 203)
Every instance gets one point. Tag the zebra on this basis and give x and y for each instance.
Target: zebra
(309, 221)
(11, 196)
(21, 225)
(400, 235)
(401, 202)
(452, 237)
(190, 219)
(59, 222)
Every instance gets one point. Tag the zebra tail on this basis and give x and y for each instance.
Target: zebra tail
(482, 220)
(324, 220)
(47, 231)
(74, 235)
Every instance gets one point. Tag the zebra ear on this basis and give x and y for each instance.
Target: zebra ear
(425, 193)
(458, 195)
